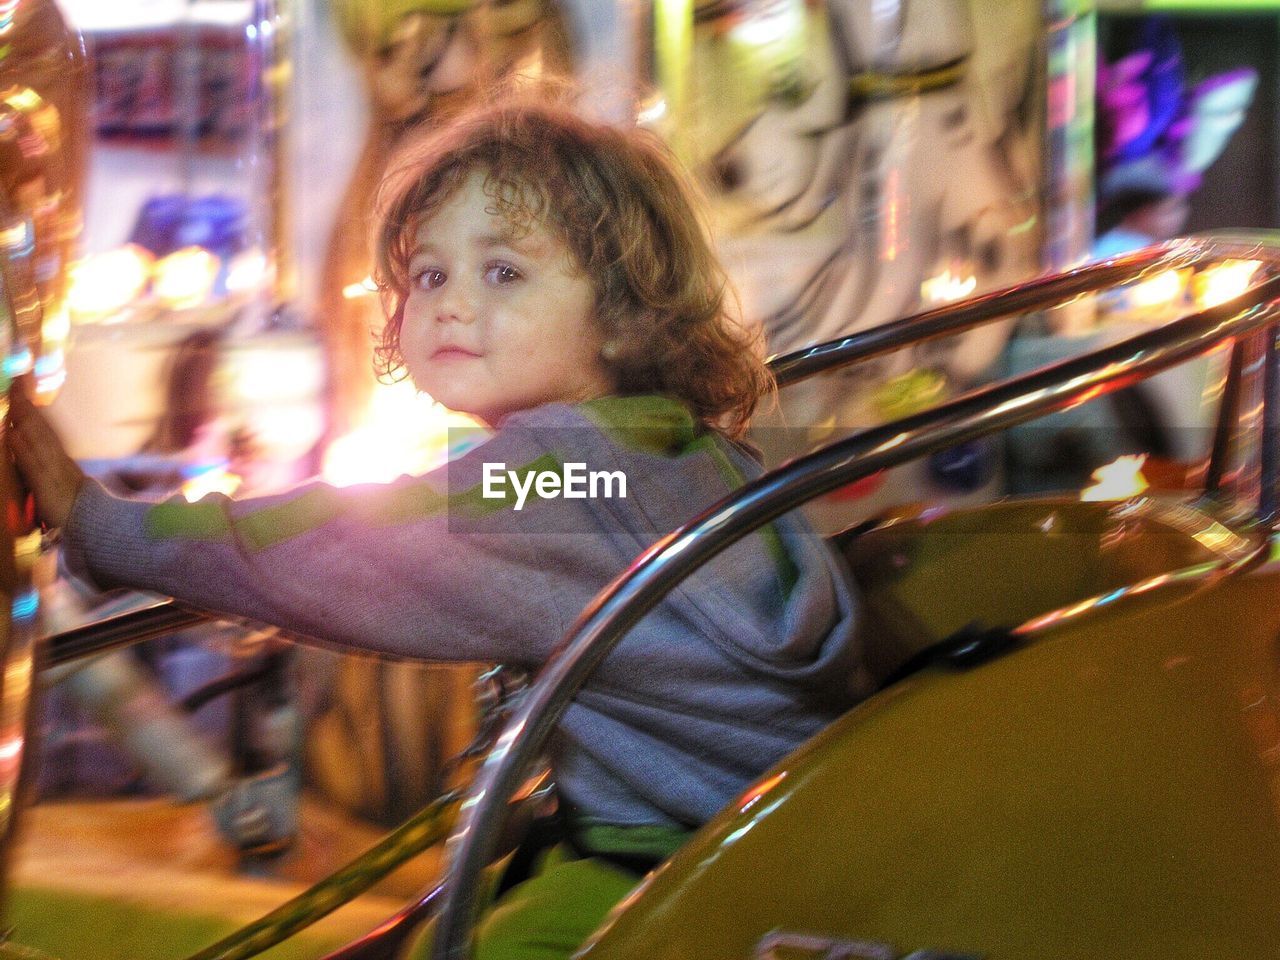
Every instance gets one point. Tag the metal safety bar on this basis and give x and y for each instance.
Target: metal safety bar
(164, 615)
(156, 618)
(1036, 294)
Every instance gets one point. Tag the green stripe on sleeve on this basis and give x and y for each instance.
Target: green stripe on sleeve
(270, 526)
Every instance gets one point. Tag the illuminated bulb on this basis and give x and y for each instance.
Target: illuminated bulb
(56, 327)
(108, 282)
(1225, 281)
(288, 430)
(362, 289)
(404, 433)
(215, 480)
(247, 272)
(947, 286)
(264, 377)
(1158, 291)
(16, 238)
(7, 9)
(185, 277)
(768, 23)
(1118, 480)
(652, 112)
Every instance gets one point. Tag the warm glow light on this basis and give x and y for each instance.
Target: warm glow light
(23, 99)
(214, 480)
(185, 277)
(753, 795)
(288, 430)
(947, 286)
(10, 750)
(247, 272)
(651, 112)
(56, 327)
(268, 377)
(1118, 480)
(893, 200)
(362, 289)
(405, 432)
(765, 23)
(1158, 291)
(1225, 281)
(16, 238)
(107, 282)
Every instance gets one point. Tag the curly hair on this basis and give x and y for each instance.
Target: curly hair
(618, 199)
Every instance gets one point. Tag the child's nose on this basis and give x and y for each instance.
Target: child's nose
(454, 305)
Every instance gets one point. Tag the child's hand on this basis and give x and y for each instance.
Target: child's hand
(50, 474)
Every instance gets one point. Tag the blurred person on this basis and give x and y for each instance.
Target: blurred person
(1156, 137)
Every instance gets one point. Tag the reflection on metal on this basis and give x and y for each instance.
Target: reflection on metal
(1070, 44)
(43, 88)
(677, 555)
(423, 830)
(152, 618)
(1225, 543)
(955, 318)
(272, 32)
(1237, 554)
(43, 142)
(792, 945)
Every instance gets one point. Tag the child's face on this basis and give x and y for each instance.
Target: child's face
(497, 321)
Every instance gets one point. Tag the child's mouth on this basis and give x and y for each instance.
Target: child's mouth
(454, 353)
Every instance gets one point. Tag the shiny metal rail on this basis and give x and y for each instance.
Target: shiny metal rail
(156, 618)
(1040, 293)
(616, 609)
(164, 615)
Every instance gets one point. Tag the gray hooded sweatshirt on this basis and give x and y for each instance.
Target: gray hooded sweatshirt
(738, 666)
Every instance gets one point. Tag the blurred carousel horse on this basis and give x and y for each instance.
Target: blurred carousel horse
(887, 155)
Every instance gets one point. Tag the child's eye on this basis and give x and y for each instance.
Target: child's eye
(501, 273)
(430, 279)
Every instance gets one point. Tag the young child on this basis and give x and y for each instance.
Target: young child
(551, 277)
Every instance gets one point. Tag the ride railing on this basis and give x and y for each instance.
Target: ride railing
(1247, 323)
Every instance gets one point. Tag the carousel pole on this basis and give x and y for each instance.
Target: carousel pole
(271, 31)
(1070, 50)
(673, 49)
(43, 105)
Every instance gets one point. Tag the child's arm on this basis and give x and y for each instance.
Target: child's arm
(412, 568)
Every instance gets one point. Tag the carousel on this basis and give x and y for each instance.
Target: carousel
(1039, 424)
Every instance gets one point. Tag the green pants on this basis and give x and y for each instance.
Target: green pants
(551, 914)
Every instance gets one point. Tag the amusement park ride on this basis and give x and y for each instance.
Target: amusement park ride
(1073, 751)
